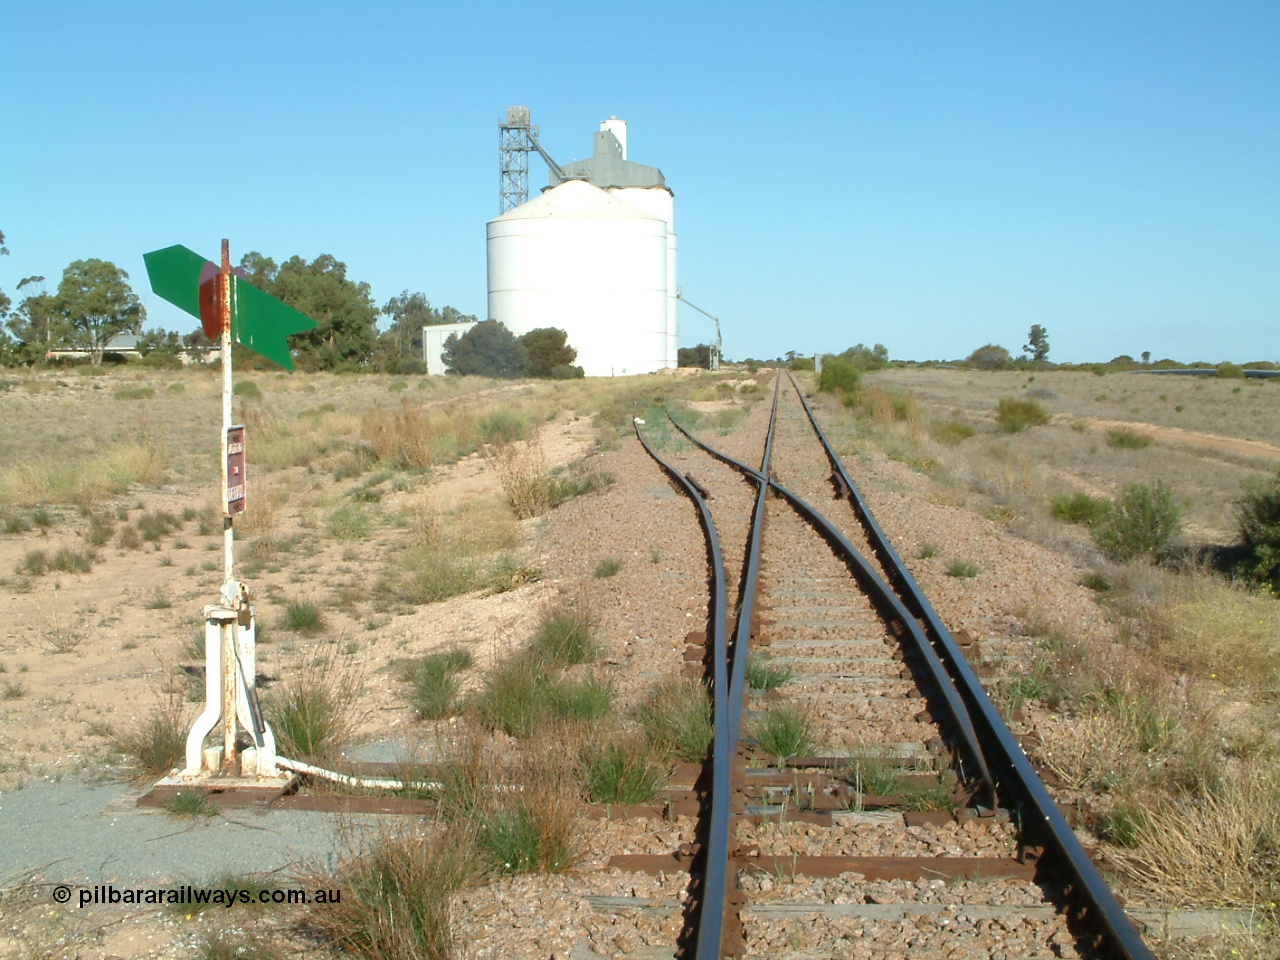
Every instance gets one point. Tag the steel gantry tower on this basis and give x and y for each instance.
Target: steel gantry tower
(516, 138)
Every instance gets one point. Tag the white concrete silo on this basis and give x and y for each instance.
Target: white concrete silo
(591, 264)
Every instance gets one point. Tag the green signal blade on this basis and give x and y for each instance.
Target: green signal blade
(175, 276)
(263, 324)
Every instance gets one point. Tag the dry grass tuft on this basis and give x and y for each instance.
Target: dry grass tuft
(156, 742)
(1222, 848)
(1227, 634)
(85, 482)
(521, 469)
(315, 712)
(399, 891)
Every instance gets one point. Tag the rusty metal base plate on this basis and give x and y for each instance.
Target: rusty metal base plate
(223, 791)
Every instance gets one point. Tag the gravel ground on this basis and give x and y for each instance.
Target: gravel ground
(658, 595)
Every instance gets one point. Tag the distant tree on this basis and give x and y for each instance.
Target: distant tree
(97, 303)
(1037, 343)
(34, 323)
(4, 299)
(400, 345)
(160, 341)
(343, 309)
(699, 356)
(990, 357)
(866, 358)
(548, 348)
(488, 349)
(399, 348)
(1146, 357)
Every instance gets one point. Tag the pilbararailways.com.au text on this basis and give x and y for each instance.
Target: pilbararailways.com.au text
(187, 895)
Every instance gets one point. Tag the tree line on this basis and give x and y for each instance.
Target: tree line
(94, 303)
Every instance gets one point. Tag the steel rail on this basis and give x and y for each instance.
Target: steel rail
(751, 575)
(1089, 889)
(884, 594)
(714, 853)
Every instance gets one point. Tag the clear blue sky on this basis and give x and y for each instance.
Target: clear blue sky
(932, 176)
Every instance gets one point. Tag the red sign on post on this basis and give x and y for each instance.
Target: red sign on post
(235, 471)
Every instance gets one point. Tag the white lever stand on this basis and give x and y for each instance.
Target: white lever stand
(230, 686)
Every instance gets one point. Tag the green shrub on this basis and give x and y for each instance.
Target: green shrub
(1258, 515)
(1013, 415)
(303, 617)
(1126, 439)
(1080, 508)
(431, 573)
(157, 742)
(134, 393)
(514, 698)
(314, 712)
(566, 634)
(588, 699)
(247, 389)
(14, 523)
(764, 674)
(399, 895)
(621, 770)
(347, 523)
(800, 364)
(155, 524)
(677, 719)
(961, 569)
(1142, 522)
(608, 567)
(503, 425)
(952, 432)
(521, 840)
(785, 731)
(1230, 371)
(434, 679)
(839, 377)
(101, 528)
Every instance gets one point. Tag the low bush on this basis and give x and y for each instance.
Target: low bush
(1080, 508)
(434, 681)
(1141, 523)
(1126, 439)
(303, 617)
(622, 770)
(315, 712)
(1013, 415)
(399, 891)
(587, 699)
(156, 524)
(764, 674)
(566, 634)
(961, 569)
(247, 389)
(785, 731)
(839, 377)
(1258, 517)
(951, 432)
(522, 836)
(156, 743)
(676, 719)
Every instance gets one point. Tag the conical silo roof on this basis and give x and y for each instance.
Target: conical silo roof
(575, 199)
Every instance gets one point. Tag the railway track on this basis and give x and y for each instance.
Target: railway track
(862, 797)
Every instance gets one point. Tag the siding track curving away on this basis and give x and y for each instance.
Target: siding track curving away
(899, 732)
